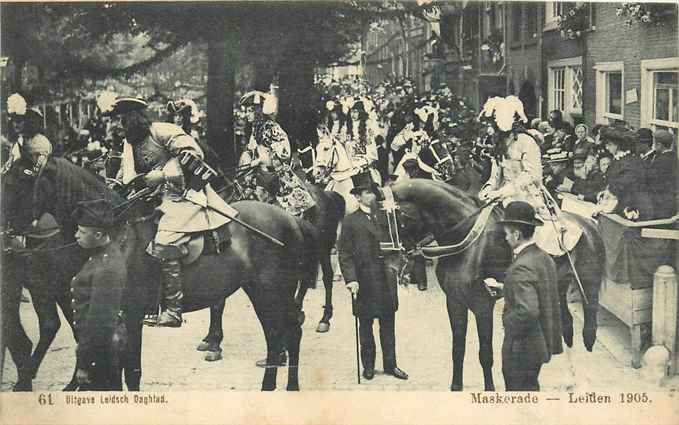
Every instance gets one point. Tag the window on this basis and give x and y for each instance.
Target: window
(552, 10)
(565, 86)
(610, 84)
(531, 21)
(660, 93)
(558, 88)
(614, 93)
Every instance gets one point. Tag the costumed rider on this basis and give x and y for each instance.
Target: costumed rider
(360, 144)
(185, 114)
(274, 155)
(516, 175)
(173, 160)
(413, 138)
(27, 125)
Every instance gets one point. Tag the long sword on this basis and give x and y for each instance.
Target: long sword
(553, 214)
(247, 226)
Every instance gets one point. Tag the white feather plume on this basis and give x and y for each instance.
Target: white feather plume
(16, 104)
(106, 100)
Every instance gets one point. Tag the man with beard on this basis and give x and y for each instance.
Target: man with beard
(155, 149)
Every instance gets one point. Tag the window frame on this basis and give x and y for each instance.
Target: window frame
(602, 70)
(648, 68)
(567, 65)
(551, 14)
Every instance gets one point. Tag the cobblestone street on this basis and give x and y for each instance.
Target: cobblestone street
(328, 361)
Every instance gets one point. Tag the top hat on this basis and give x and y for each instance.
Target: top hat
(124, 105)
(362, 181)
(96, 213)
(520, 212)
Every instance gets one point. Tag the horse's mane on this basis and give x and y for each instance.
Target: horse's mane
(432, 193)
(74, 184)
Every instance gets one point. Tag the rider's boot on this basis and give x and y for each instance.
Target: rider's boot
(171, 275)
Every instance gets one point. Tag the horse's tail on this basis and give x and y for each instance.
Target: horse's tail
(309, 257)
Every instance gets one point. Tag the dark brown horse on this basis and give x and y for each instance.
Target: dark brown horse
(448, 214)
(266, 272)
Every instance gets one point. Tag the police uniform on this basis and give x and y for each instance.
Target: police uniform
(97, 296)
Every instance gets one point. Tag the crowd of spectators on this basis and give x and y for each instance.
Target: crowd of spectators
(625, 172)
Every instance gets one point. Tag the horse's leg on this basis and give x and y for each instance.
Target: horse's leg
(326, 266)
(215, 334)
(14, 335)
(457, 314)
(44, 304)
(132, 361)
(566, 316)
(293, 337)
(266, 313)
(483, 314)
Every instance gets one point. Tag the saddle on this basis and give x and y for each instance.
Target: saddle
(207, 242)
(558, 236)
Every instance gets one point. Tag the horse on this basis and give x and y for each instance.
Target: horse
(267, 272)
(429, 210)
(44, 264)
(324, 218)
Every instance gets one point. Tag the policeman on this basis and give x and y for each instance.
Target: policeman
(97, 298)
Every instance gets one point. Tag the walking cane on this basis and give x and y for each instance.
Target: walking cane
(358, 354)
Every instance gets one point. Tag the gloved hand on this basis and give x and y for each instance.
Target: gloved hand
(353, 287)
(155, 178)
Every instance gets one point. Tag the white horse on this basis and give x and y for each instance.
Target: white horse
(333, 162)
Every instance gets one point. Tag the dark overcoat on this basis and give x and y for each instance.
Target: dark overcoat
(531, 315)
(662, 182)
(360, 260)
(626, 179)
(97, 298)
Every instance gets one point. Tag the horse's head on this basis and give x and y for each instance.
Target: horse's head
(437, 156)
(327, 157)
(25, 195)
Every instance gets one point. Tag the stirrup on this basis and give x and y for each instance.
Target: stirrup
(169, 319)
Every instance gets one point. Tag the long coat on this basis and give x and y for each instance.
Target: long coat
(531, 316)
(627, 181)
(359, 260)
(662, 179)
(97, 292)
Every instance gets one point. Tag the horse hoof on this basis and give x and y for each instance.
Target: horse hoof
(71, 386)
(23, 387)
(203, 346)
(293, 387)
(456, 387)
(268, 387)
(323, 327)
(213, 356)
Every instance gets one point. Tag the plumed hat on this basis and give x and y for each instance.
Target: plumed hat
(124, 105)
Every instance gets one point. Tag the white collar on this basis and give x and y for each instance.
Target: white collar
(523, 246)
(365, 209)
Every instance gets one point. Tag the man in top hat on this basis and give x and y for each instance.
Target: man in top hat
(189, 203)
(362, 267)
(662, 175)
(531, 314)
(97, 292)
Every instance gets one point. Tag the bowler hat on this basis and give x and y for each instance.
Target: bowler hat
(664, 137)
(95, 213)
(520, 212)
(362, 181)
(123, 105)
